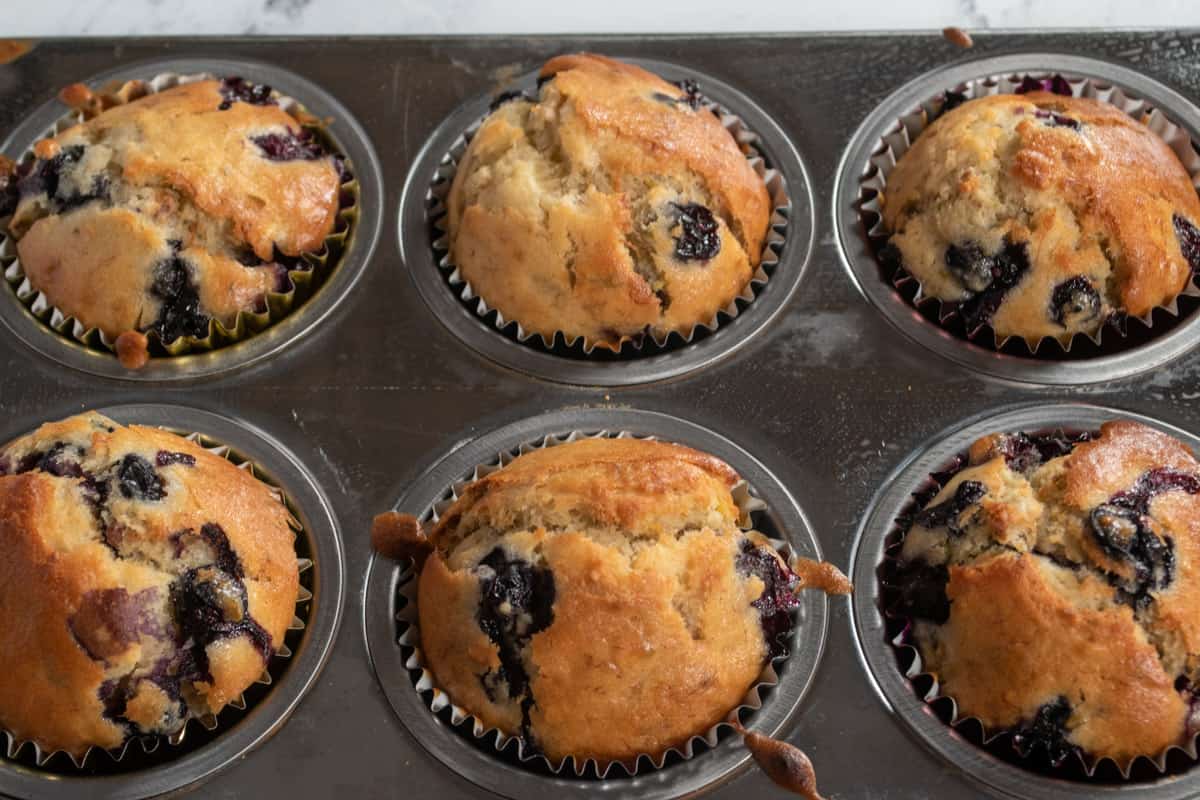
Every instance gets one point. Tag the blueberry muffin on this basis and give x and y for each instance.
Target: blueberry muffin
(599, 599)
(1042, 216)
(1054, 584)
(144, 581)
(174, 209)
(610, 205)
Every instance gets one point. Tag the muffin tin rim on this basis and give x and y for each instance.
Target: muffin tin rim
(487, 770)
(352, 139)
(876, 655)
(863, 269)
(263, 719)
(483, 339)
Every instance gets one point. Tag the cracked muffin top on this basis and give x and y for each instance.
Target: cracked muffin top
(1043, 215)
(144, 581)
(168, 210)
(1055, 587)
(612, 205)
(599, 599)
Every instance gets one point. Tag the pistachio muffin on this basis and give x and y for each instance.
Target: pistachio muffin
(1054, 585)
(169, 210)
(610, 205)
(144, 581)
(1042, 215)
(599, 599)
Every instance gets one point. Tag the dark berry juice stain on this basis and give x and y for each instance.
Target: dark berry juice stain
(1075, 303)
(918, 591)
(986, 277)
(165, 458)
(239, 90)
(691, 93)
(1189, 241)
(137, 479)
(778, 597)
(45, 174)
(516, 600)
(1056, 85)
(1044, 738)
(952, 100)
(1025, 452)
(179, 313)
(1053, 119)
(700, 237)
(1155, 482)
(54, 461)
(299, 145)
(945, 514)
(108, 621)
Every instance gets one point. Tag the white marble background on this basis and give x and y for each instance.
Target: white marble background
(296, 17)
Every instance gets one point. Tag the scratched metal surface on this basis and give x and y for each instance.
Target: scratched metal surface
(828, 397)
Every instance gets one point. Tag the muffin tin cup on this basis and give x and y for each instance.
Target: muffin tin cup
(148, 766)
(288, 315)
(886, 135)
(880, 652)
(424, 243)
(497, 761)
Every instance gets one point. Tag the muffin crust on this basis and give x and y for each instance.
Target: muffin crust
(145, 580)
(611, 205)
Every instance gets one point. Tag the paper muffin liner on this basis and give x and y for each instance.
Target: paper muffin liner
(1080, 766)
(467, 724)
(645, 343)
(29, 751)
(307, 272)
(900, 137)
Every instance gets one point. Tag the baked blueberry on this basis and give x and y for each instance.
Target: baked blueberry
(239, 90)
(699, 236)
(1075, 303)
(291, 145)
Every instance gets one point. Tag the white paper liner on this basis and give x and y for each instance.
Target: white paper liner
(149, 743)
(904, 643)
(899, 138)
(436, 214)
(246, 323)
(467, 723)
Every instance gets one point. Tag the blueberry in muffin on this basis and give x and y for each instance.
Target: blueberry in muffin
(1042, 216)
(599, 598)
(144, 581)
(1052, 586)
(610, 205)
(164, 212)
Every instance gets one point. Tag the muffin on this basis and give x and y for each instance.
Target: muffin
(173, 210)
(599, 599)
(1042, 216)
(610, 205)
(1054, 587)
(144, 581)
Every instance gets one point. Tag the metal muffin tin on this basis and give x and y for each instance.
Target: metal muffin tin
(603, 369)
(345, 132)
(236, 733)
(880, 656)
(477, 760)
(827, 396)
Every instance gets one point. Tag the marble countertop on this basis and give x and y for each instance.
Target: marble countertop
(310, 17)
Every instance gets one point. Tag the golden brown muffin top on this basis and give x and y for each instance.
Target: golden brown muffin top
(1067, 574)
(610, 205)
(1093, 200)
(145, 580)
